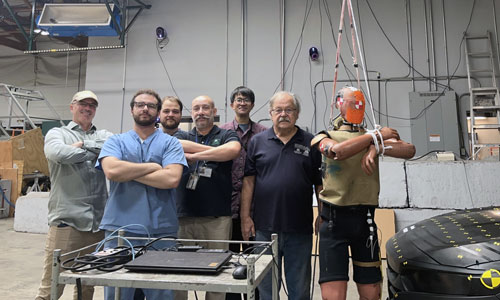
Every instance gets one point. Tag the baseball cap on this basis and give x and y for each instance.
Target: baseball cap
(84, 95)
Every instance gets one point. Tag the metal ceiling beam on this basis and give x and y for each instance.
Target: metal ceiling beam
(32, 27)
(6, 4)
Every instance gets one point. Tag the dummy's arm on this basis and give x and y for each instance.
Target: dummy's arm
(395, 148)
(339, 151)
(399, 149)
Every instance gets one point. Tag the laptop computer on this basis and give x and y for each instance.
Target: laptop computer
(179, 262)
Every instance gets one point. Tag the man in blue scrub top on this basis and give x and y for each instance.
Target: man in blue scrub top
(144, 167)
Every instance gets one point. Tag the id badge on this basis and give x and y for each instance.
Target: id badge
(206, 172)
(192, 181)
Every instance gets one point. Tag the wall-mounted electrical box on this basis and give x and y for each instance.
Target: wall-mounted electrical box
(436, 127)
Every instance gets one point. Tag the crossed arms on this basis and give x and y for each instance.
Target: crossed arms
(225, 152)
(151, 174)
(340, 151)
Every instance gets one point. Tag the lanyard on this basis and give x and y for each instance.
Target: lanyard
(207, 142)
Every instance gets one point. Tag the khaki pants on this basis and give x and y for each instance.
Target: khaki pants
(67, 239)
(205, 228)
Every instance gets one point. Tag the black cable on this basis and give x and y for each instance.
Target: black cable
(108, 262)
(422, 156)
(397, 51)
(312, 96)
(289, 63)
(410, 66)
(301, 39)
(163, 64)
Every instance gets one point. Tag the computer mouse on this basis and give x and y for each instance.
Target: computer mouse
(240, 272)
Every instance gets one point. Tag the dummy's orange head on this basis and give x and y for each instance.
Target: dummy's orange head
(351, 103)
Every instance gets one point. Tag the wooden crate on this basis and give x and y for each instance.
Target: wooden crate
(27, 147)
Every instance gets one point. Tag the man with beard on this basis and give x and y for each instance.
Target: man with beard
(170, 115)
(204, 194)
(280, 172)
(144, 167)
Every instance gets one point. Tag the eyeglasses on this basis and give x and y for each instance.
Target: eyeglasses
(87, 104)
(242, 100)
(278, 111)
(141, 105)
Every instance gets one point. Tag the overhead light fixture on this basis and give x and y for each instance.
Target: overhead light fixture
(43, 32)
(88, 19)
(37, 30)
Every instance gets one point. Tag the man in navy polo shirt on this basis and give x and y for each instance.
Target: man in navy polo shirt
(280, 173)
(204, 194)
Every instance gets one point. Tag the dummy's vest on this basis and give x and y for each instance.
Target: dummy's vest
(344, 181)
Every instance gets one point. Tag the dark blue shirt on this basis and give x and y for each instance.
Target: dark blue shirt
(212, 196)
(284, 179)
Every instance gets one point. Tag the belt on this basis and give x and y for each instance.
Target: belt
(362, 209)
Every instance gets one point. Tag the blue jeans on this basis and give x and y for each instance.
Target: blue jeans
(128, 293)
(294, 249)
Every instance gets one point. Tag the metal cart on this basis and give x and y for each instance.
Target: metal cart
(257, 267)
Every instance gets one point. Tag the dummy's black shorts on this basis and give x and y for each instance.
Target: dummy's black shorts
(348, 228)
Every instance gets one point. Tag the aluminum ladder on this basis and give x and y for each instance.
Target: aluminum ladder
(15, 96)
(484, 94)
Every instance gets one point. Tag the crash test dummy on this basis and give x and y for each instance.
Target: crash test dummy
(349, 197)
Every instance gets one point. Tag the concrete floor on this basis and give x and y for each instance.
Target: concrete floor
(21, 267)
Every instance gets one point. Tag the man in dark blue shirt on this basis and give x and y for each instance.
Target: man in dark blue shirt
(280, 173)
(204, 194)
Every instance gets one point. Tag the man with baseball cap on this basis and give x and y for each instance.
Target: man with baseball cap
(78, 194)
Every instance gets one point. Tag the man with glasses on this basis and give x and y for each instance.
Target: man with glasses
(171, 114)
(242, 103)
(281, 171)
(78, 193)
(144, 167)
(204, 194)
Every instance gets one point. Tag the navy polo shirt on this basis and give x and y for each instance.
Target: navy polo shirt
(284, 179)
(212, 196)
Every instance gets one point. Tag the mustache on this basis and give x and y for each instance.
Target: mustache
(284, 119)
(201, 117)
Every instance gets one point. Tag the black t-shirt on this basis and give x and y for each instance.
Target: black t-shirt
(284, 179)
(212, 196)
